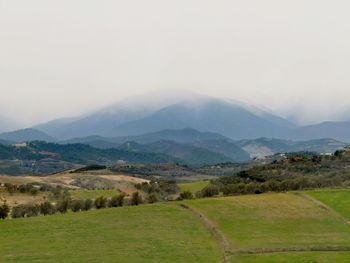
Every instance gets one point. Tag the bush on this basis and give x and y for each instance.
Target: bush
(186, 195)
(4, 210)
(101, 202)
(47, 208)
(77, 205)
(18, 211)
(136, 198)
(88, 204)
(63, 205)
(209, 191)
(152, 198)
(117, 200)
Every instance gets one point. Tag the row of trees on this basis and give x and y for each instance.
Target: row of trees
(64, 205)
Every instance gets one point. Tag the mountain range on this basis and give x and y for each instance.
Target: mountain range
(188, 127)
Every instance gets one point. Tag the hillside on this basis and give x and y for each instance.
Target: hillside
(42, 158)
(26, 135)
(267, 146)
(331, 129)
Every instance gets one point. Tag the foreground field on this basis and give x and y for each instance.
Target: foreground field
(275, 227)
(150, 233)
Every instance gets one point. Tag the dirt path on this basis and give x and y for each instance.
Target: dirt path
(221, 239)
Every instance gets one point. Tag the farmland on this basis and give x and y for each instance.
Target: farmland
(273, 227)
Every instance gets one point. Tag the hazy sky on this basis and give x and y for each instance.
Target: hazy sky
(66, 57)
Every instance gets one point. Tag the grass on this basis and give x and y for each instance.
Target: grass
(274, 221)
(92, 194)
(338, 200)
(149, 233)
(193, 187)
(304, 257)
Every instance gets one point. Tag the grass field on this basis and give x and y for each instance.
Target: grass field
(92, 194)
(274, 221)
(149, 233)
(338, 200)
(193, 187)
(196, 232)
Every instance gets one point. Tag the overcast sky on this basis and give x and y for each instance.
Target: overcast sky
(67, 57)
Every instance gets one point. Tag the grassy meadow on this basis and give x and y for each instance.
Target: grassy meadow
(273, 227)
(274, 221)
(149, 233)
(193, 187)
(338, 200)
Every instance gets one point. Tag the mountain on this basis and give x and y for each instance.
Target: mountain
(187, 153)
(330, 129)
(212, 115)
(186, 135)
(267, 146)
(225, 147)
(104, 121)
(26, 135)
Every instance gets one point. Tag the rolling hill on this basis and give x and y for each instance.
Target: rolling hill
(26, 135)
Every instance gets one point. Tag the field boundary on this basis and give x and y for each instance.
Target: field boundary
(256, 251)
(222, 241)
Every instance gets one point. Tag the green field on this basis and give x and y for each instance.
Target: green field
(193, 187)
(274, 221)
(274, 227)
(92, 194)
(338, 200)
(149, 233)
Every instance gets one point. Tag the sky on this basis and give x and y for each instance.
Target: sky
(68, 57)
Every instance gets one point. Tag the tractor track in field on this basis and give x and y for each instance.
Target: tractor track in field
(221, 239)
(257, 251)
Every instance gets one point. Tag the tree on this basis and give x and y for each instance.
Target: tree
(186, 195)
(77, 205)
(47, 208)
(101, 202)
(136, 198)
(63, 205)
(88, 204)
(117, 200)
(152, 198)
(18, 211)
(4, 210)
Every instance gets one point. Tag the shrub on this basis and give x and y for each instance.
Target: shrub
(117, 200)
(63, 205)
(136, 198)
(152, 198)
(186, 195)
(209, 191)
(47, 208)
(4, 210)
(77, 205)
(101, 202)
(18, 211)
(88, 204)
